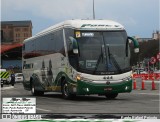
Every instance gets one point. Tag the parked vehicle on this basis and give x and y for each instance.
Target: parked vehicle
(4, 76)
(18, 77)
(138, 70)
(157, 71)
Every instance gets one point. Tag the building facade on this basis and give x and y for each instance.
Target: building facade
(15, 31)
(156, 35)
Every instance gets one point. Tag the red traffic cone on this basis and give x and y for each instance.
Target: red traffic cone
(134, 84)
(153, 85)
(143, 85)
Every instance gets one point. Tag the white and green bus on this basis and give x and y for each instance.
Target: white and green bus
(79, 57)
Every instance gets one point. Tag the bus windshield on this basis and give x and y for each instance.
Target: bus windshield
(103, 52)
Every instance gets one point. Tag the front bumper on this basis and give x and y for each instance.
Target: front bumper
(83, 88)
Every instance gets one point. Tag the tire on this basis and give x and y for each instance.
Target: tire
(111, 96)
(35, 92)
(65, 91)
(7, 82)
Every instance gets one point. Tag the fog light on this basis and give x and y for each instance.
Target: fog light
(86, 89)
(126, 88)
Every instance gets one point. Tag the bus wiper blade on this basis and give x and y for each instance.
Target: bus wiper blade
(99, 59)
(113, 60)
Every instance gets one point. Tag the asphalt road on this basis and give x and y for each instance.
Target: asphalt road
(137, 102)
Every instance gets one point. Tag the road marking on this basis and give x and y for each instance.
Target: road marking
(43, 109)
(148, 93)
(46, 97)
(156, 100)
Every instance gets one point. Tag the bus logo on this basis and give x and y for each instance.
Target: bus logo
(107, 82)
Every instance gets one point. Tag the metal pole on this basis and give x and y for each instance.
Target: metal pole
(93, 11)
(148, 70)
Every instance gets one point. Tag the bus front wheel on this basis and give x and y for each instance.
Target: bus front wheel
(111, 96)
(65, 91)
(35, 92)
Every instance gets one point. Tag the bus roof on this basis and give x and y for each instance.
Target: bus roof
(83, 25)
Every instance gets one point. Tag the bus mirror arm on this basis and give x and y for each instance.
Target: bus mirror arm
(127, 42)
(136, 44)
(75, 51)
(74, 45)
(75, 48)
(103, 52)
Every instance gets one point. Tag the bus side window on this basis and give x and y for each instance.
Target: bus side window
(23, 47)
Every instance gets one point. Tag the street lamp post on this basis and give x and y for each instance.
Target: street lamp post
(93, 11)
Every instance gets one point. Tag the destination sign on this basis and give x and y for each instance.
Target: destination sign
(87, 34)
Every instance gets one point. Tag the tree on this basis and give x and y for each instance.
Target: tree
(148, 49)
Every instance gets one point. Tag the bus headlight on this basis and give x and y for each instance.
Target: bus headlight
(78, 77)
(87, 80)
(126, 88)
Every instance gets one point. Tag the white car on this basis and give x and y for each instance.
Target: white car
(18, 77)
(157, 71)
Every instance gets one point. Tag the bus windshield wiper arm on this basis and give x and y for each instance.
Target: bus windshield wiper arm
(98, 61)
(110, 56)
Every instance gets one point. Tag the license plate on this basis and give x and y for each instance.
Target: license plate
(107, 89)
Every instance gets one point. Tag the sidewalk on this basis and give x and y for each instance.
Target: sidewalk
(5, 87)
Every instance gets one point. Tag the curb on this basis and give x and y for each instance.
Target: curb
(4, 88)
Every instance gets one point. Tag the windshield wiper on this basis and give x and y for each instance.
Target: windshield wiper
(113, 60)
(98, 61)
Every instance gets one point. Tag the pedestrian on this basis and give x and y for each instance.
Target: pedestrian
(12, 79)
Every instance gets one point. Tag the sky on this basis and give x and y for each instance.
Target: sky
(139, 17)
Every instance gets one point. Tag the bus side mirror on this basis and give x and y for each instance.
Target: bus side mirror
(136, 50)
(136, 44)
(74, 45)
